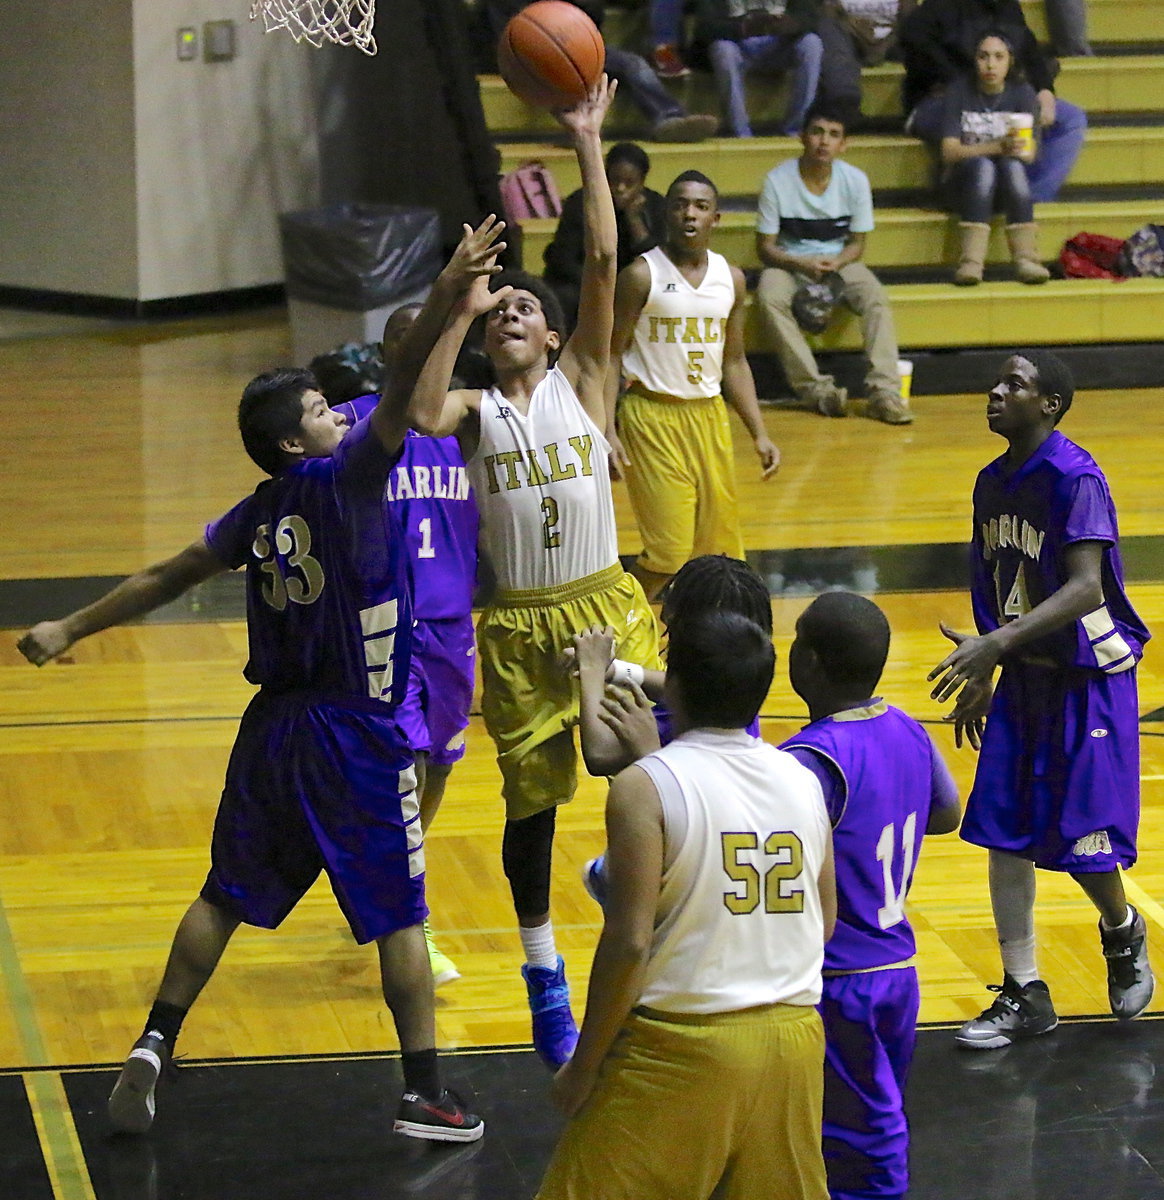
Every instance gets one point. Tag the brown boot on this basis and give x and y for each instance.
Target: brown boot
(974, 236)
(1024, 250)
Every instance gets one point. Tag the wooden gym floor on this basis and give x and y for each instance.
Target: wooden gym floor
(122, 444)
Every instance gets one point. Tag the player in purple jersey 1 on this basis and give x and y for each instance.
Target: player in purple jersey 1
(1058, 780)
(885, 787)
(428, 491)
(320, 776)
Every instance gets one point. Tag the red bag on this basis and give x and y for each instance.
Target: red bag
(1091, 256)
(530, 191)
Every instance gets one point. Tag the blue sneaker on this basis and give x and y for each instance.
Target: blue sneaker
(594, 880)
(554, 1033)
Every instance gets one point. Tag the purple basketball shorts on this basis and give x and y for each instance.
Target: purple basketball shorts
(870, 1021)
(1058, 778)
(435, 710)
(319, 784)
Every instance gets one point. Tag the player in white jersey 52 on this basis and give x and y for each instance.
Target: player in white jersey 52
(537, 456)
(679, 340)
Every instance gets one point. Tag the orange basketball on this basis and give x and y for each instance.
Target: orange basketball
(551, 54)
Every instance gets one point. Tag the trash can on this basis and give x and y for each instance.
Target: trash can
(349, 266)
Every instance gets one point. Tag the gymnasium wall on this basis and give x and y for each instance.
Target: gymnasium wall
(130, 174)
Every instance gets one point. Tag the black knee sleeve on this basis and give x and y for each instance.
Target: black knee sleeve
(526, 852)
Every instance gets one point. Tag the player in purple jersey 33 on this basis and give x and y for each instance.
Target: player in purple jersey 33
(1058, 782)
(428, 491)
(885, 787)
(320, 776)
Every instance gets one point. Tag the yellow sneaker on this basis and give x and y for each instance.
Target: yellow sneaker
(444, 970)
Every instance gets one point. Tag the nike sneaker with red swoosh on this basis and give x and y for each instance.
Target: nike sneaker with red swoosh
(443, 1120)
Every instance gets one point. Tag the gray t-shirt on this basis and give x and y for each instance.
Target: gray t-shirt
(973, 118)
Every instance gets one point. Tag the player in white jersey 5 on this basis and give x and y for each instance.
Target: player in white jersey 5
(537, 456)
(679, 340)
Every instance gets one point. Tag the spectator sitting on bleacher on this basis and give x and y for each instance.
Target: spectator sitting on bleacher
(765, 36)
(814, 213)
(856, 34)
(1067, 24)
(666, 21)
(986, 162)
(640, 213)
(670, 121)
(938, 42)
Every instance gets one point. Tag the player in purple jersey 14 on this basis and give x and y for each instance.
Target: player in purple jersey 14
(320, 776)
(428, 491)
(885, 787)
(1058, 781)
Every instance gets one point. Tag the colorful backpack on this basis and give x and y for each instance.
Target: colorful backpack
(1143, 252)
(530, 191)
(1091, 256)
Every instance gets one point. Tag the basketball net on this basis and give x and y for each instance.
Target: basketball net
(345, 22)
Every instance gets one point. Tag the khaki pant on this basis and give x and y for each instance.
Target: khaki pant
(865, 296)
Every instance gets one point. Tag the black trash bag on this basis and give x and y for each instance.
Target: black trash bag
(360, 257)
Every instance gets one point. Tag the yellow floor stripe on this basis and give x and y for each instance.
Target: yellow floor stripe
(1142, 901)
(58, 1136)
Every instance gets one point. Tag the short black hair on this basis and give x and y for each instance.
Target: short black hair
(716, 582)
(630, 153)
(722, 665)
(1055, 378)
(270, 410)
(849, 636)
(546, 296)
(836, 111)
(694, 177)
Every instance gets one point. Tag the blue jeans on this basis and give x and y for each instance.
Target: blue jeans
(977, 188)
(667, 22)
(1059, 144)
(642, 85)
(731, 61)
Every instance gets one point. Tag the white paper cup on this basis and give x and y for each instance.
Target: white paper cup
(1022, 126)
(905, 374)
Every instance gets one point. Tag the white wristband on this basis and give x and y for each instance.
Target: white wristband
(626, 672)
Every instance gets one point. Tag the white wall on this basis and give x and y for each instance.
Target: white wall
(127, 173)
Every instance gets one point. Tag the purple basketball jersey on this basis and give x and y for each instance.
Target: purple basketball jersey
(892, 777)
(328, 606)
(429, 490)
(662, 715)
(1023, 523)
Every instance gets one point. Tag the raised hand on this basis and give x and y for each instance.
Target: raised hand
(587, 115)
(476, 253)
(44, 642)
(594, 648)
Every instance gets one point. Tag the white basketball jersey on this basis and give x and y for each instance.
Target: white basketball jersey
(739, 921)
(677, 348)
(542, 483)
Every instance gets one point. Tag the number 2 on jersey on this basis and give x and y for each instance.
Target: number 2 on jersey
(551, 538)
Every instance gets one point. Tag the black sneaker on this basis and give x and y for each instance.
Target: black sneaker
(443, 1120)
(131, 1103)
(1019, 1012)
(1130, 982)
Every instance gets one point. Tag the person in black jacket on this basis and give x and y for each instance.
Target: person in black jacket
(938, 43)
(640, 213)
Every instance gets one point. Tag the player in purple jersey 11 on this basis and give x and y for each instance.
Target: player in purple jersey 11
(428, 491)
(1058, 781)
(885, 787)
(320, 776)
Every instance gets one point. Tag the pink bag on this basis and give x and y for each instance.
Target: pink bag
(530, 191)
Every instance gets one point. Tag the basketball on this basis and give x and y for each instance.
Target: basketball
(551, 54)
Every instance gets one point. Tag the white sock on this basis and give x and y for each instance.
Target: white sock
(539, 947)
(1131, 915)
(1012, 897)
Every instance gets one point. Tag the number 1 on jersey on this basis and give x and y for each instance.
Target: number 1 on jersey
(427, 549)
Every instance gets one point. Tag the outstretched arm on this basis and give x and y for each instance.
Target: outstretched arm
(584, 358)
(132, 597)
(739, 388)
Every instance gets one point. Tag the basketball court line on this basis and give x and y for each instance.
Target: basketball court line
(59, 1143)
